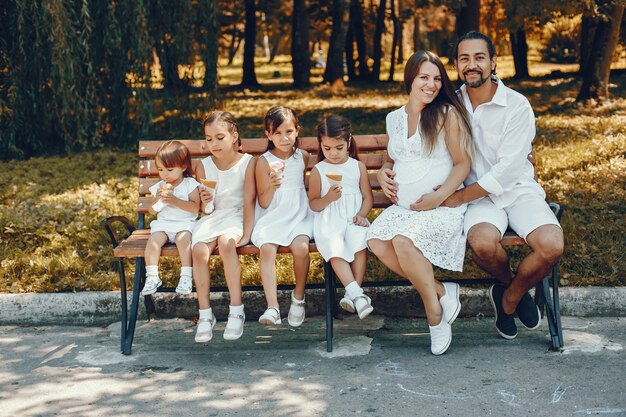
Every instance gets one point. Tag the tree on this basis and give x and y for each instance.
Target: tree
(467, 17)
(595, 86)
(249, 75)
(358, 35)
(300, 45)
(207, 29)
(334, 64)
(397, 39)
(378, 34)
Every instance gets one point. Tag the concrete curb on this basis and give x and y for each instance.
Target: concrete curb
(97, 308)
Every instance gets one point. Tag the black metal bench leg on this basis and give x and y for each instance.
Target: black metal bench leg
(557, 303)
(329, 281)
(554, 335)
(124, 303)
(132, 319)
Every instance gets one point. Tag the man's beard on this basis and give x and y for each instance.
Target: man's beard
(478, 83)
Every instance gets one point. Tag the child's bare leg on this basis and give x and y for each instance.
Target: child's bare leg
(420, 273)
(301, 262)
(342, 270)
(153, 247)
(359, 265)
(183, 244)
(232, 267)
(268, 274)
(201, 275)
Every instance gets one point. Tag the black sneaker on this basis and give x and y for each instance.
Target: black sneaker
(505, 323)
(528, 312)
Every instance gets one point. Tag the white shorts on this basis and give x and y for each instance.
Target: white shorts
(171, 236)
(525, 214)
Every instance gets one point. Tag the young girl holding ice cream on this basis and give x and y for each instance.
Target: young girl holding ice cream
(341, 195)
(175, 202)
(283, 216)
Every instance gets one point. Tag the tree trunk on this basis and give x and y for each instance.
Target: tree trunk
(520, 52)
(396, 40)
(249, 75)
(595, 84)
(210, 50)
(588, 28)
(400, 58)
(334, 63)
(417, 36)
(467, 18)
(356, 23)
(274, 48)
(378, 34)
(350, 63)
(300, 45)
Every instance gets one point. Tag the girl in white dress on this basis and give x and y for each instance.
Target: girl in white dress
(228, 226)
(283, 217)
(175, 202)
(429, 155)
(341, 195)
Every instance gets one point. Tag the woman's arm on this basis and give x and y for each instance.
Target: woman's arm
(385, 179)
(461, 165)
(368, 198)
(316, 202)
(249, 197)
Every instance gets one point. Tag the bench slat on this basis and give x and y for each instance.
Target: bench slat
(197, 147)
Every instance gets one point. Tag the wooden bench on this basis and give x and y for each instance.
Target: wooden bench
(372, 154)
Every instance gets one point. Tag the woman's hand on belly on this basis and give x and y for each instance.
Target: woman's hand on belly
(427, 201)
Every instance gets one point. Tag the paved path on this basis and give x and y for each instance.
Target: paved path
(380, 367)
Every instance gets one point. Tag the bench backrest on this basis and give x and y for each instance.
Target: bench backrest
(371, 153)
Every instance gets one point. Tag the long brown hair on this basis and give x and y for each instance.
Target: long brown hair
(435, 114)
(335, 126)
(275, 117)
(174, 154)
(226, 117)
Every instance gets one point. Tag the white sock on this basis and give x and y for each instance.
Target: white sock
(185, 271)
(235, 309)
(152, 271)
(353, 290)
(207, 313)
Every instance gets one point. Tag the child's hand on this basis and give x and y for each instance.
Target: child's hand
(427, 202)
(243, 241)
(205, 195)
(334, 193)
(360, 221)
(276, 178)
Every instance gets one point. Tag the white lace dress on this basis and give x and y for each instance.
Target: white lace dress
(227, 218)
(437, 233)
(288, 215)
(336, 236)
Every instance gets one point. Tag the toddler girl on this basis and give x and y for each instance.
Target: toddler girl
(228, 226)
(283, 217)
(175, 202)
(341, 195)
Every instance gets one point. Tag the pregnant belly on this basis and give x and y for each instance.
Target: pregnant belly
(410, 190)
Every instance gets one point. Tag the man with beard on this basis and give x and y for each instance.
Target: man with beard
(501, 188)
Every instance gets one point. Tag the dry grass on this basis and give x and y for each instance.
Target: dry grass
(51, 240)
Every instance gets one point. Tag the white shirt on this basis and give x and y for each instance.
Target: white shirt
(503, 131)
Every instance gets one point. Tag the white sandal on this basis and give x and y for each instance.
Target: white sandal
(205, 336)
(363, 306)
(234, 326)
(271, 316)
(296, 311)
(347, 304)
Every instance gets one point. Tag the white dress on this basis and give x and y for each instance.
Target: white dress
(227, 218)
(288, 214)
(171, 219)
(437, 233)
(336, 236)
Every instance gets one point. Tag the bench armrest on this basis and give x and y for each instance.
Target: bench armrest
(108, 226)
(557, 209)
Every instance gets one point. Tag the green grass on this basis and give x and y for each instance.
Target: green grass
(51, 239)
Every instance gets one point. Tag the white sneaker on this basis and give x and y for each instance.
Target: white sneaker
(234, 326)
(271, 316)
(185, 285)
(450, 303)
(440, 337)
(347, 304)
(151, 285)
(363, 306)
(204, 331)
(296, 312)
